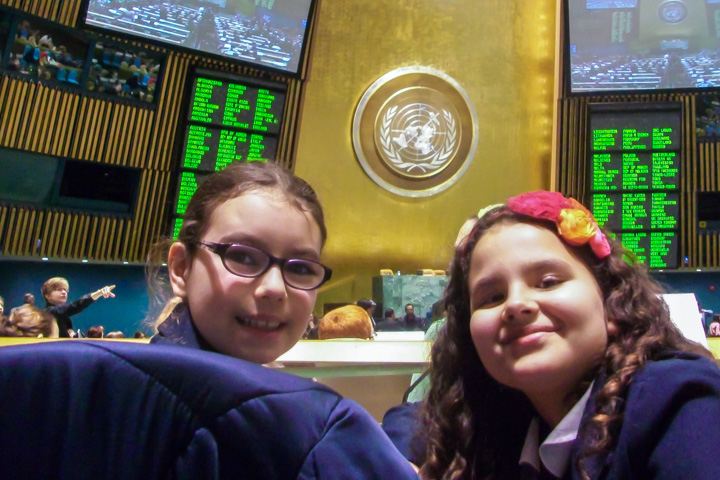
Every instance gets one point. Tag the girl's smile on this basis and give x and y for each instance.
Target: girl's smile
(537, 314)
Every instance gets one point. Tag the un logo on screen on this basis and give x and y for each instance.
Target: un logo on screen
(415, 131)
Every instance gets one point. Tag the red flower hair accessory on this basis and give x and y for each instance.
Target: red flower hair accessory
(575, 223)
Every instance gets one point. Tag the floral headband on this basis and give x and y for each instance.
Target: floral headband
(575, 223)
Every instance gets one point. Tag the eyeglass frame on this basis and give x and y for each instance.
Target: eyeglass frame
(220, 249)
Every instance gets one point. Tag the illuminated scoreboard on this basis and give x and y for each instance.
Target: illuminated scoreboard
(634, 164)
(229, 119)
(212, 149)
(235, 104)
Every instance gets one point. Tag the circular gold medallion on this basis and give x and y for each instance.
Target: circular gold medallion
(415, 131)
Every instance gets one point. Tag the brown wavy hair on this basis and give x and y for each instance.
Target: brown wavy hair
(471, 421)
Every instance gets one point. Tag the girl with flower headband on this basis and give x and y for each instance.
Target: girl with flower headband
(559, 359)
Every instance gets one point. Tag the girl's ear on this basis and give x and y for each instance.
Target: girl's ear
(612, 328)
(179, 262)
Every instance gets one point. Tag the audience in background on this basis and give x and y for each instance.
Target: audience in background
(96, 331)
(714, 328)
(369, 306)
(350, 321)
(28, 299)
(390, 323)
(412, 321)
(29, 321)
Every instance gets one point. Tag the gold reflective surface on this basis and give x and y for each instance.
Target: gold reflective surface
(500, 51)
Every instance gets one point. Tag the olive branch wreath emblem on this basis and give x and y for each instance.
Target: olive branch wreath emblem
(437, 160)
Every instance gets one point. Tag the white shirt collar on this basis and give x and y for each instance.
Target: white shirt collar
(555, 450)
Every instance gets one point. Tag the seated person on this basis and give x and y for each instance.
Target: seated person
(29, 321)
(390, 323)
(349, 321)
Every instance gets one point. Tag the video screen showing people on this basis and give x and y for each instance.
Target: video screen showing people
(264, 32)
(643, 44)
(46, 53)
(124, 72)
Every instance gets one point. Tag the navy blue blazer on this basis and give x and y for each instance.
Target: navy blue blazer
(112, 410)
(671, 427)
(179, 329)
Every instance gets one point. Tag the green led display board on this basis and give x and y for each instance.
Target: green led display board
(634, 176)
(656, 249)
(229, 119)
(212, 149)
(235, 104)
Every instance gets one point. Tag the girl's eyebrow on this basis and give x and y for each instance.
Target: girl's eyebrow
(548, 264)
(253, 241)
(544, 265)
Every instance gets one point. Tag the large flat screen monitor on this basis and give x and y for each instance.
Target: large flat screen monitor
(269, 34)
(615, 46)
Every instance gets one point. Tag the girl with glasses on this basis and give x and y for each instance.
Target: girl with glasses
(246, 264)
(246, 268)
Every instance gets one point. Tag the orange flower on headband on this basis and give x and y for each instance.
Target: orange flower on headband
(575, 223)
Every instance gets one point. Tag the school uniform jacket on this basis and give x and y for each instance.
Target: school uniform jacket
(115, 410)
(671, 427)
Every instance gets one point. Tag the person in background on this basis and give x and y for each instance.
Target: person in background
(369, 306)
(2, 306)
(55, 291)
(139, 334)
(411, 321)
(28, 299)
(714, 328)
(96, 331)
(311, 333)
(29, 321)
(389, 323)
(559, 359)
(115, 334)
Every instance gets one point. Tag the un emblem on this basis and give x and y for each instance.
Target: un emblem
(414, 131)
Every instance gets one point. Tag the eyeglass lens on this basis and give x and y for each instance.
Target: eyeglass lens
(250, 262)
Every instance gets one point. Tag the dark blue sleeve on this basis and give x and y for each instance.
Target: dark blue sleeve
(72, 308)
(401, 424)
(354, 446)
(670, 429)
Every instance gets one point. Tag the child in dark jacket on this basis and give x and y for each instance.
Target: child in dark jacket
(560, 360)
(246, 264)
(56, 290)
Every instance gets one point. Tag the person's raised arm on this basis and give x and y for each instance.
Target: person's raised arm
(105, 292)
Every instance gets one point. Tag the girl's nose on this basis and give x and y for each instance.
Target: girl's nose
(272, 284)
(520, 304)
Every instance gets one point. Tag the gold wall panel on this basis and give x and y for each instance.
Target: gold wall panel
(500, 51)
